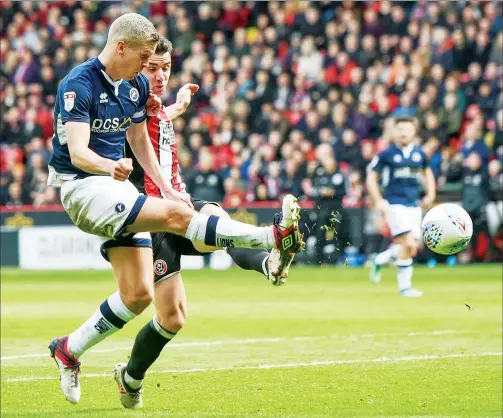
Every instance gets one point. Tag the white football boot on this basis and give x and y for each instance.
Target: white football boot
(375, 270)
(411, 293)
(288, 239)
(69, 369)
(129, 398)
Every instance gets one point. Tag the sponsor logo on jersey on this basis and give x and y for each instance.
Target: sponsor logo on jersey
(166, 133)
(69, 99)
(102, 326)
(108, 125)
(160, 267)
(225, 242)
(406, 172)
(397, 158)
(134, 95)
(103, 98)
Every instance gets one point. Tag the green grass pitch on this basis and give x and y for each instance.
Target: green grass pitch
(327, 344)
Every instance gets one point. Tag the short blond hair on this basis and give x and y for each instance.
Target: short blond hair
(133, 29)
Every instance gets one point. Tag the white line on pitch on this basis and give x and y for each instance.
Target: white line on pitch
(281, 366)
(260, 341)
(264, 340)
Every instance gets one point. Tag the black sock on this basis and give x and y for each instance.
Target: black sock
(147, 347)
(249, 259)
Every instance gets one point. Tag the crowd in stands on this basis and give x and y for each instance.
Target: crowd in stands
(285, 87)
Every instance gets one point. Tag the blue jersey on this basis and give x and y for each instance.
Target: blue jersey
(87, 94)
(400, 169)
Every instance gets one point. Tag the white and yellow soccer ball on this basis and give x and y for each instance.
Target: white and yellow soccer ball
(447, 229)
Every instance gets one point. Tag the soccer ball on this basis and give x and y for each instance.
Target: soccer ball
(447, 229)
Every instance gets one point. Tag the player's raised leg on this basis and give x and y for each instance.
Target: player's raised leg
(381, 259)
(133, 270)
(171, 308)
(246, 258)
(162, 215)
(274, 265)
(405, 266)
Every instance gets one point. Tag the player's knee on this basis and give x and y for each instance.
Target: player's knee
(177, 217)
(138, 299)
(414, 248)
(410, 247)
(172, 320)
(210, 209)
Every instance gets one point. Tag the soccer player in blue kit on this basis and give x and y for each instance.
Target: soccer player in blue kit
(100, 104)
(401, 165)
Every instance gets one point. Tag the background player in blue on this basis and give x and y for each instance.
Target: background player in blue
(401, 165)
(99, 105)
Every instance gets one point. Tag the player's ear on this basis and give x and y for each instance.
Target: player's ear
(121, 47)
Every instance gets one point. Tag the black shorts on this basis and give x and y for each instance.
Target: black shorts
(168, 248)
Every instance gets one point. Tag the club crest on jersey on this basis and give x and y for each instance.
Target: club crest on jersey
(134, 95)
(69, 99)
(416, 157)
(120, 207)
(160, 267)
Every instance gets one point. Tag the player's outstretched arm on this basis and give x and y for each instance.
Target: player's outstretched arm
(183, 99)
(430, 186)
(373, 186)
(78, 135)
(373, 172)
(138, 138)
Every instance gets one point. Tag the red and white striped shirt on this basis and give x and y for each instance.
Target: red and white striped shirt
(162, 135)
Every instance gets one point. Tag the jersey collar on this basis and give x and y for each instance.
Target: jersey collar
(101, 67)
(406, 150)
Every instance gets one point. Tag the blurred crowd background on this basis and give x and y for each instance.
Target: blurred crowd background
(292, 92)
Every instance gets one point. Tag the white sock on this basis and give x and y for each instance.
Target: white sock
(264, 266)
(108, 319)
(132, 382)
(404, 273)
(223, 232)
(386, 256)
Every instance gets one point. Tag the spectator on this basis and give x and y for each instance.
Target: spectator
(495, 56)
(15, 195)
(450, 116)
(460, 52)
(473, 82)
(206, 183)
(290, 181)
(348, 151)
(310, 60)
(406, 108)
(482, 49)
(472, 142)
(433, 128)
(369, 54)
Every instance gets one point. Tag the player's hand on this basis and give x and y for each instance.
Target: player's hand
(427, 201)
(382, 205)
(177, 196)
(122, 169)
(184, 95)
(153, 105)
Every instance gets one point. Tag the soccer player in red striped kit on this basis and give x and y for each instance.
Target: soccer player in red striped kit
(169, 294)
